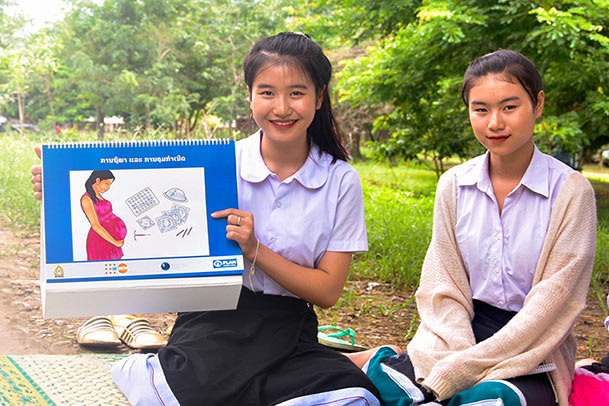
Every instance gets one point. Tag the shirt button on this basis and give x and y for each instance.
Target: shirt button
(501, 303)
(497, 270)
(273, 240)
(278, 204)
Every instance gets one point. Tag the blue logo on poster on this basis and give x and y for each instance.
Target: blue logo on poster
(225, 263)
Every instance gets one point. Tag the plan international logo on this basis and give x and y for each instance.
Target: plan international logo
(225, 263)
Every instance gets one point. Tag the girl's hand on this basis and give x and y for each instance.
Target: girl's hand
(119, 243)
(240, 228)
(321, 285)
(37, 176)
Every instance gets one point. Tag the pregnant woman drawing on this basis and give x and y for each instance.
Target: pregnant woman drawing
(107, 233)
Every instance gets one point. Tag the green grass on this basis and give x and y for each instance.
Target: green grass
(413, 179)
(399, 208)
(599, 285)
(17, 204)
(399, 230)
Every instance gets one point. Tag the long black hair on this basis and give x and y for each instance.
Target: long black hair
(301, 51)
(515, 66)
(101, 175)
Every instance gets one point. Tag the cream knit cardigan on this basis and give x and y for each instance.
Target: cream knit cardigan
(443, 351)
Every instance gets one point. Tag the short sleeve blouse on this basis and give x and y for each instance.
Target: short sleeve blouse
(320, 208)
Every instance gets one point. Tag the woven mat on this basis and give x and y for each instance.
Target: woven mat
(44, 380)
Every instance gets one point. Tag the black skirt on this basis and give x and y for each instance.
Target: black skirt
(263, 353)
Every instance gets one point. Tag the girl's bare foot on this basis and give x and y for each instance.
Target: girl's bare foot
(585, 362)
(360, 358)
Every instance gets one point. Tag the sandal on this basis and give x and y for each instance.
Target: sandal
(137, 333)
(98, 332)
(332, 340)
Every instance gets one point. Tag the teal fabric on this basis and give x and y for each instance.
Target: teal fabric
(391, 393)
(490, 393)
(487, 391)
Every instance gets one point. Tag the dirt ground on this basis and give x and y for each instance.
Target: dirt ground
(378, 313)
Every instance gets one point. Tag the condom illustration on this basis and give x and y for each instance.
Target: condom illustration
(166, 223)
(145, 222)
(181, 212)
(170, 219)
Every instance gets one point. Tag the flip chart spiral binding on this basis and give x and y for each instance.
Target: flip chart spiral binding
(126, 227)
(139, 143)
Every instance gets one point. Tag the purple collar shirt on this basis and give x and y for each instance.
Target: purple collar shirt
(501, 250)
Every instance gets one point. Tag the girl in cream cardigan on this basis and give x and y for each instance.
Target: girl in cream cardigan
(508, 267)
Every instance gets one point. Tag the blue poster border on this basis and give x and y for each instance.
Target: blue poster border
(218, 159)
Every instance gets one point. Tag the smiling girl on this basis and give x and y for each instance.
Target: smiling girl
(300, 218)
(507, 271)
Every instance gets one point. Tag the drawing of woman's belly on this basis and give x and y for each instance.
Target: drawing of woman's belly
(115, 226)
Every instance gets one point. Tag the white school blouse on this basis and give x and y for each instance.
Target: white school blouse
(320, 208)
(501, 250)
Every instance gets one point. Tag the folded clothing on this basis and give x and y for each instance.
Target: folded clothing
(591, 384)
(589, 388)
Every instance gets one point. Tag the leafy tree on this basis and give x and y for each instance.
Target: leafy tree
(163, 62)
(45, 49)
(99, 50)
(221, 33)
(31, 57)
(9, 27)
(330, 22)
(415, 65)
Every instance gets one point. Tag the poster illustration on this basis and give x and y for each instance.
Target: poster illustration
(151, 212)
(126, 227)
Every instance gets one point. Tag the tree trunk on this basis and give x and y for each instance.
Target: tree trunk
(196, 125)
(370, 135)
(99, 123)
(205, 125)
(53, 114)
(355, 140)
(20, 106)
(49, 94)
(192, 120)
(138, 122)
(147, 117)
